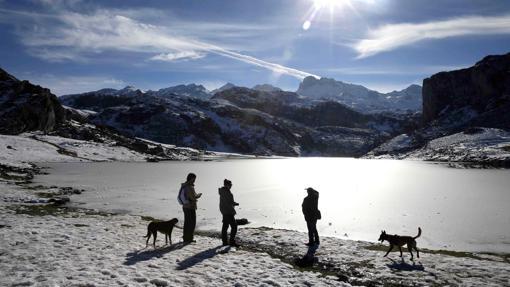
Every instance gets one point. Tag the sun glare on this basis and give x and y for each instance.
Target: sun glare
(331, 4)
(320, 5)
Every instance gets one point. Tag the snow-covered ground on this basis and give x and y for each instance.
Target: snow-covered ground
(26, 148)
(46, 245)
(33, 148)
(50, 246)
(482, 145)
(76, 249)
(479, 145)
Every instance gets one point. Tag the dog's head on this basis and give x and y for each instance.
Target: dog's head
(174, 220)
(382, 237)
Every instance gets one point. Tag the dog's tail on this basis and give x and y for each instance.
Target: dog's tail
(419, 233)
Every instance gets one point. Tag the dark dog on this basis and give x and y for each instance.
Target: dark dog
(164, 227)
(401, 241)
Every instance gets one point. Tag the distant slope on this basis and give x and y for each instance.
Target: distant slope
(360, 98)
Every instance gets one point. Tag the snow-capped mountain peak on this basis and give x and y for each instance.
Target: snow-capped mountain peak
(360, 97)
(223, 88)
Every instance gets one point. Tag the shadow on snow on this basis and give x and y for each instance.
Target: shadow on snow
(139, 255)
(199, 257)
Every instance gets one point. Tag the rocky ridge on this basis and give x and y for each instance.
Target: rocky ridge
(244, 120)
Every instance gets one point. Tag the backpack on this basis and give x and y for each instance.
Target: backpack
(181, 197)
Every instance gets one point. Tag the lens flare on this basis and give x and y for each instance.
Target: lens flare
(331, 5)
(307, 25)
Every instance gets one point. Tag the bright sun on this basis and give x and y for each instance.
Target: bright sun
(331, 5)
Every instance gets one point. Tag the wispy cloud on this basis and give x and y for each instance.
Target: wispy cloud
(78, 34)
(402, 70)
(393, 36)
(62, 85)
(178, 56)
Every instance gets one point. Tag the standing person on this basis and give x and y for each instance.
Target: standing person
(188, 198)
(312, 214)
(228, 211)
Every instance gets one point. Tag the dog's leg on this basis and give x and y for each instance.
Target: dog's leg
(155, 234)
(400, 248)
(148, 237)
(417, 251)
(410, 248)
(389, 250)
(166, 239)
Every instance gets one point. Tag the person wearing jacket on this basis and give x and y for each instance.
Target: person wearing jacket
(312, 214)
(228, 211)
(188, 198)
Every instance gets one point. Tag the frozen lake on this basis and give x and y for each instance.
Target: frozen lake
(460, 209)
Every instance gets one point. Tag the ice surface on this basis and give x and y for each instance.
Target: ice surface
(459, 209)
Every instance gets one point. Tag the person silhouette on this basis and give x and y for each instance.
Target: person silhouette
(312, 214)
(188, 198)
(228, 211)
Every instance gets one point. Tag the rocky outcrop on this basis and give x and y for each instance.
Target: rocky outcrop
(484, 88)
(456, 105)
(27, 107)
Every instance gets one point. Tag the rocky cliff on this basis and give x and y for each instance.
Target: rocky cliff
(26, 107)
(466, 117)
(485, 88)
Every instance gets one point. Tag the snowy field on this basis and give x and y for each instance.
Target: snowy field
(48, 246)
(458, 209)
(42, 244)
(480, 145)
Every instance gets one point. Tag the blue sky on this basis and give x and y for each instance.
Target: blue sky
(77, 46)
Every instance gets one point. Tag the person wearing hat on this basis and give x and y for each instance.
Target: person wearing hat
(228, 211)
(312, 214)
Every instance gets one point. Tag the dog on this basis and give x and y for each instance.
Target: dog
(164, 227)
(401, 241)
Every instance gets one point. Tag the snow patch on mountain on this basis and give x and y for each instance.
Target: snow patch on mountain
(361, 98)
(474, 145)
(190, 90)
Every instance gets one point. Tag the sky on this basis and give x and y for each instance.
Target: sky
(78, 46)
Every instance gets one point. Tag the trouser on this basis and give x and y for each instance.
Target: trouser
(229, 219)
(190, 221)
(313, 235)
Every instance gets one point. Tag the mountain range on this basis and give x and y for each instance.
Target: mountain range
(242, 120)
(323, 118)
(354, 96)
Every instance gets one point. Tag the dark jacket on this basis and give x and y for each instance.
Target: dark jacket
(227, 202)
(310, 206)
(191, 195)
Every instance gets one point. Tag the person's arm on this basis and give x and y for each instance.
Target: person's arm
(191, 194)
(233, 201)
(305, 207)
